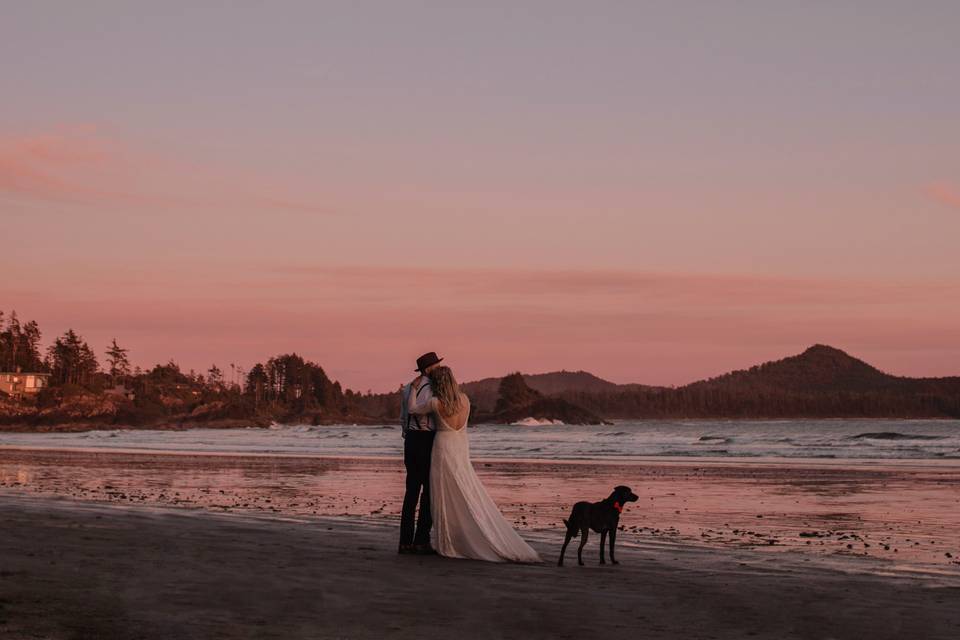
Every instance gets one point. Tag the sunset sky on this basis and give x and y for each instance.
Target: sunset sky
(652, 191)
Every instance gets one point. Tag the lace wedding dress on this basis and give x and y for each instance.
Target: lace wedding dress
(466, 521)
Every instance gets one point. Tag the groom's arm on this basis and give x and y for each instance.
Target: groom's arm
(404, 413)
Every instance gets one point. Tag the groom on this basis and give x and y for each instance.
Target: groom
(418, 433)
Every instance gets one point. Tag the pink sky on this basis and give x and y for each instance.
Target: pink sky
(600, 190)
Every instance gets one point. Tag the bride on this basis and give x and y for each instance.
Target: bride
(467, 522)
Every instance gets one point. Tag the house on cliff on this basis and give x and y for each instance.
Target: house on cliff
(17, 383)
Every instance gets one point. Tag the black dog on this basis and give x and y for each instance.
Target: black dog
(603, 517)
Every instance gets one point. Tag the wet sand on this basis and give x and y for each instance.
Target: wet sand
(903, 517)
(144, 545)
(80, 569)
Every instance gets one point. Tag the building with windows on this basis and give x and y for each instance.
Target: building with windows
(17, 383)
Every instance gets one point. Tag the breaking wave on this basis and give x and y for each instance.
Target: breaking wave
(842, 439)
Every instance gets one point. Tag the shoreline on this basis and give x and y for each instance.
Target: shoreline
(904, 516)
(82, 426)
(546, 540)
(877, 463)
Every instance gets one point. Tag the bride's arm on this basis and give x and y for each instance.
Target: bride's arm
(423, 406)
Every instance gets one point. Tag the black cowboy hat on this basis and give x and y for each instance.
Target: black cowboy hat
(427, 360)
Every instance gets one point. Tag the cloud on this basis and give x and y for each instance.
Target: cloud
(53, 165)
(79, 165)
(944, 194)
(602, 289)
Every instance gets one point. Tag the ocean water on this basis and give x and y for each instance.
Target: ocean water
(818, 439)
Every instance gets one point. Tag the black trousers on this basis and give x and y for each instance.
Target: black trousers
(417, 448)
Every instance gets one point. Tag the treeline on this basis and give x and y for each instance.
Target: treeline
(295, 384)
(69, 360)
(822, 382)
(686, 402)
(19, 344)
(82, 386)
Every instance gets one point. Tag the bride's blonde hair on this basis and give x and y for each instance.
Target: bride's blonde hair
(445, 389)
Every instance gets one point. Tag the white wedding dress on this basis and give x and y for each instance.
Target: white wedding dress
(466, 521)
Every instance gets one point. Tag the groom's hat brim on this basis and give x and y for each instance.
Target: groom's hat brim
(427, 360)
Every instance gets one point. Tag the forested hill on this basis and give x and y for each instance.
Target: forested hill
(818, 369)
(821, 382)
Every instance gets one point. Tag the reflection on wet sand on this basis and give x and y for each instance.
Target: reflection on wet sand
(899, 517)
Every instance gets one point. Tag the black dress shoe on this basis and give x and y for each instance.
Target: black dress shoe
(406, 549)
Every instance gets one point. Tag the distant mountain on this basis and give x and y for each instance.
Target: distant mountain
(818, 369)
(821, 382)
(484, 393)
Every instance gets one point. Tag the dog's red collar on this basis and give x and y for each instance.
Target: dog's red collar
(616, 505)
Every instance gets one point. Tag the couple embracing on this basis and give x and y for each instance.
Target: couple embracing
(453, 502)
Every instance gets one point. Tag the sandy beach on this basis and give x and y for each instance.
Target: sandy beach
(894, 515)
(75, 569)
(146, 545)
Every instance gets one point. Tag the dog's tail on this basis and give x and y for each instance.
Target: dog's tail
(573, 532)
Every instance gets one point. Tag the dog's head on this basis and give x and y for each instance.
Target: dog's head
(623, 495)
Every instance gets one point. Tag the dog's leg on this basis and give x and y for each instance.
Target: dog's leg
(603, 537)
(583, 540)
(613, 540)
(563, 550)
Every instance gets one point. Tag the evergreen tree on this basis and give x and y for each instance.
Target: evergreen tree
(71, 360)
(215, 377)
(30, 358)
(14, 335)
(19, 345)
(118, 361)
(257, 381)
(88, 365)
